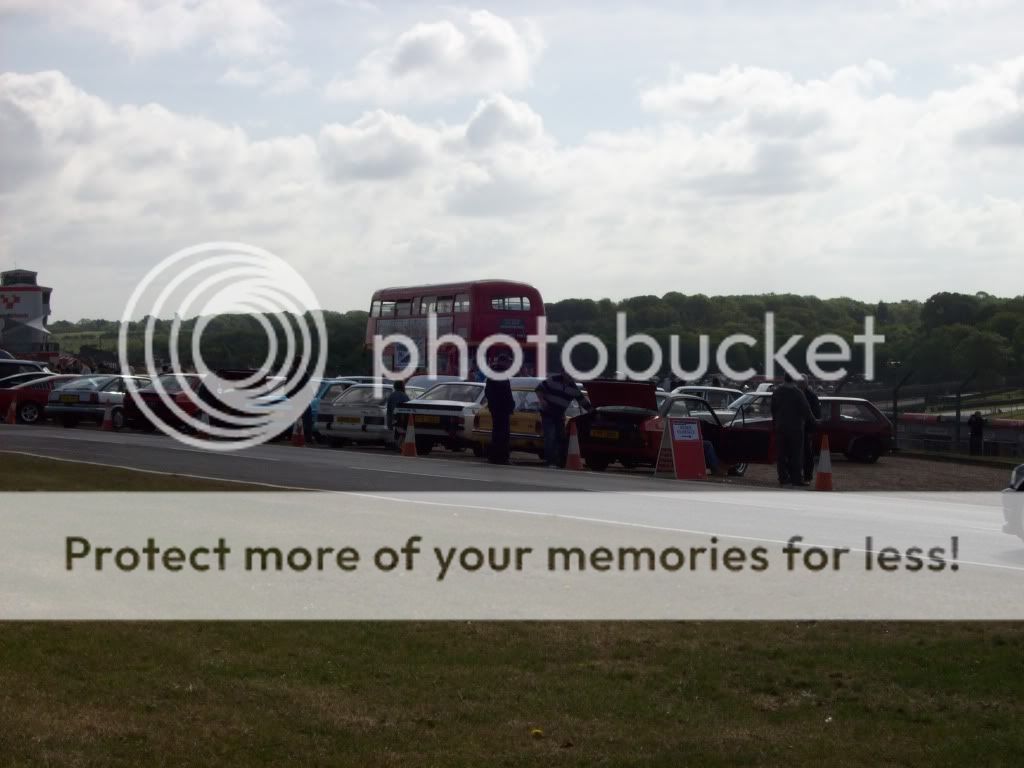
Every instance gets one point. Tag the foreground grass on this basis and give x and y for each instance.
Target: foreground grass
(471, 694)
(497, 694)
(29, 473)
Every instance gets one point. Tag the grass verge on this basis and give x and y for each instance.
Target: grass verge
(19, 472)
(497, 694)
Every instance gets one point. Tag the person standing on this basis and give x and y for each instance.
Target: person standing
(810, 429)
(501, 404)
(976, 424)
(790, 414)
(397, 397)
(555, 393)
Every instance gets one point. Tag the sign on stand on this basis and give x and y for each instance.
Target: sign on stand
(682, 450)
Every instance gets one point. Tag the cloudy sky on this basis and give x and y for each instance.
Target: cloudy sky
(867, 149)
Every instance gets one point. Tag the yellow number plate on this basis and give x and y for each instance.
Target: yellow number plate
(428, 419)
(346, 419)
(605, 434)
(69, 398)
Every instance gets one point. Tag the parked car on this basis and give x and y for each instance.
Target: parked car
(627, 423)
(20, 378)
(855, 427)
(10, 367)
(1013, 503)
(359, 415)
(444, 415)
(30, 397)
(89, 397)
(717, 397)
(328, 390)
(176, 386)
(527, 433)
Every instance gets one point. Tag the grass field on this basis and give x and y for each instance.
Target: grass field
(498, 694)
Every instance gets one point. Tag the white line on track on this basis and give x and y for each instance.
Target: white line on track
(505, 510)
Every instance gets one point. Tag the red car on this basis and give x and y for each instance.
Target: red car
(855, 427)
(175, 385)
(627, 422)
(30, 397)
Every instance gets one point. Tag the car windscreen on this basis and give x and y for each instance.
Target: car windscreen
(360, 395)
(460, 393)
(172, 382)
(94, 383)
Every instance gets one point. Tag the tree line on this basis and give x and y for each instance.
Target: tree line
(945, 338)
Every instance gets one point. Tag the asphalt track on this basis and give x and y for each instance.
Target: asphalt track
(456, 495)
(367, 469)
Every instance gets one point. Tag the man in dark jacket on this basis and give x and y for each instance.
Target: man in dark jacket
(556, 393)
(790, 414)
(810, 429)
(501, 404)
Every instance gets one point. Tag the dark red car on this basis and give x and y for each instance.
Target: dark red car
(627, 422)
(30, 397)
(855, 427)
(177, 386)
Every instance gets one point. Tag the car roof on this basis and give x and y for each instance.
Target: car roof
(843, 399)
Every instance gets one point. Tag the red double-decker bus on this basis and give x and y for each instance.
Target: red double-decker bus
(471, 310)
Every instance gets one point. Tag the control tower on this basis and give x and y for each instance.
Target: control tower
(24, 311)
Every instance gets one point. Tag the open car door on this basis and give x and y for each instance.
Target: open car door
(747, 440)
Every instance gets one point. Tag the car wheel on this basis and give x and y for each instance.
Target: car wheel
(29, 413)
(597, 465)
(628, 463)
(423, 447)
(478, 450)
(865, 451)
(738, 470)
(69, 421)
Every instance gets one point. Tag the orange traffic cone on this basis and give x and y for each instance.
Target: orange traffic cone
(12, 413)
(108, 419)
(573, 460)
(298, 434)
(823, 479)
(409, 444)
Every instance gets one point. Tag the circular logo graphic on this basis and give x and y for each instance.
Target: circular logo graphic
(244, 407)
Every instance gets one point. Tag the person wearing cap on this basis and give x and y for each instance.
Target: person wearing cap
(501, 404)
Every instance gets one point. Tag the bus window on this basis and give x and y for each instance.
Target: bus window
(444, 305)
(428, 304)
(387, 309)
(462, 302)
(375, 309)
(510, 304)
(402, 308)
(526, 303)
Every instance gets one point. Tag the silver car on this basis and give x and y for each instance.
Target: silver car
(359, 415)
(89, 397)
(444, 415)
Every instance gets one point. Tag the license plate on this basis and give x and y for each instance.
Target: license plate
(605, 434)
(69, 398)
(428, 419)
(346, 419)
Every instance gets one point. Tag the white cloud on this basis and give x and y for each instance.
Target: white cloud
(147, 27)
(501, 119)
(710, 196)
(475, 53)
(379, 145)
(276, 79)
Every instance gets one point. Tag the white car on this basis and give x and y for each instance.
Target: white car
(717, 397)
(359, 415)
(89, 397)
(444, 415)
